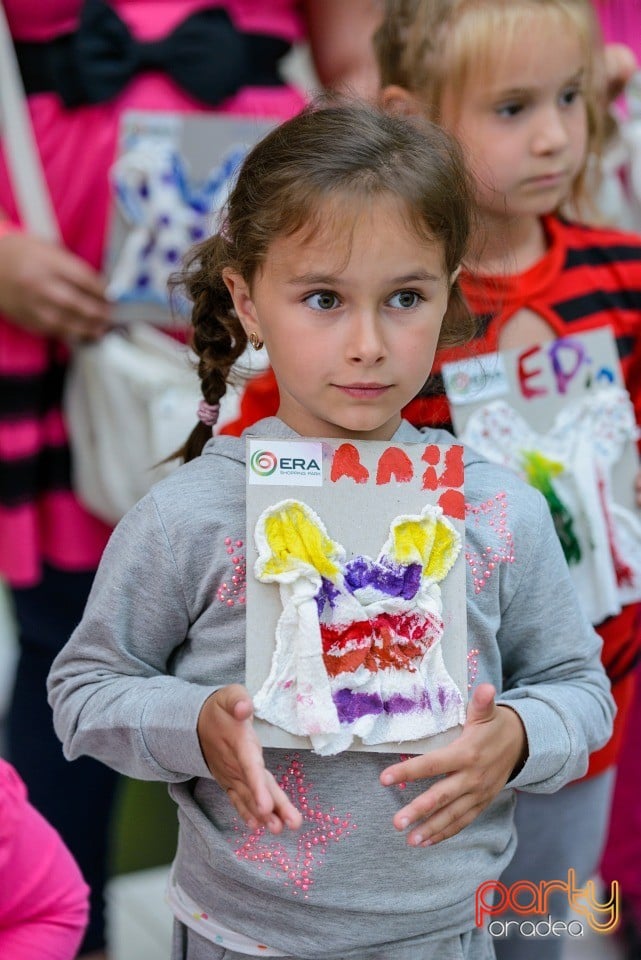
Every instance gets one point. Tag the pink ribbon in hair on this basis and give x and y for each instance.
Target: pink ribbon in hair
(208, 413)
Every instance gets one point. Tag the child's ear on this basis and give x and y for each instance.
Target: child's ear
(400, 102)
(243, 304)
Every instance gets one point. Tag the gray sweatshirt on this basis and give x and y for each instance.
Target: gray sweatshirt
(164, 628)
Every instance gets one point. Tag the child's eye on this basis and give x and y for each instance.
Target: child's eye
(569, 96)
(405, 299)
(509, 109)
(322, 300)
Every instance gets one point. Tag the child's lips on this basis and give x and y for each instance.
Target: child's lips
(367, 391)
(553, 179)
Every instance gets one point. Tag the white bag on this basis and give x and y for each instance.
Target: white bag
(130, 401)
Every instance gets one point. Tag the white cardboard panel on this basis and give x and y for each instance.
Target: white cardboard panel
(357, 515)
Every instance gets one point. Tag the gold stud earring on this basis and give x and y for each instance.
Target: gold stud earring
(255, 341)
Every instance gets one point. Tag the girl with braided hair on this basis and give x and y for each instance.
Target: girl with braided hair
(340, 251)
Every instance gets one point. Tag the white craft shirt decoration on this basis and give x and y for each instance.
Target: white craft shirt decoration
(572, 464)
(358, 642)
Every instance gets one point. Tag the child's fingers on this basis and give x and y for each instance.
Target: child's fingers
(235, 700)
(248, 755)
(281, 814)
(442, 827)
(441, 795)
(422, 767)
(261, 799)
(251, 787)
(243, 799)
(242, 808)
(433, 813)
(459, 754)
(264, 797)
(283, 806)
(481, 707)
(254, 775)
(242, 772)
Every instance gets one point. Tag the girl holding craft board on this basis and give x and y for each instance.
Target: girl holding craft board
(352, 255)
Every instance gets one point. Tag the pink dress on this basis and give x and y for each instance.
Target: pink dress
(40, 519)
(621, 22)
(43, 898)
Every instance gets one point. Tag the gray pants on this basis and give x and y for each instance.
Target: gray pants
(475, 945)
(556, 832)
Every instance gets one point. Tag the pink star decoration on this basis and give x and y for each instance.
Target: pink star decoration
(295, 857)
(492, 513)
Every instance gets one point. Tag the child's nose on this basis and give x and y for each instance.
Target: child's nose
(366, 342)
(550, 131)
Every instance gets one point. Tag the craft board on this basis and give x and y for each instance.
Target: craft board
(537, 382)
(357, 513)
(198, 157)
(558, 413)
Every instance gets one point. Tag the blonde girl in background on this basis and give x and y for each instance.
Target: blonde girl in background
(519, 84)
(340, 251)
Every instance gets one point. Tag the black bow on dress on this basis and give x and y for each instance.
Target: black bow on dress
(205, 55)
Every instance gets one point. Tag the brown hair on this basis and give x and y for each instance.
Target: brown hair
(326, 152)
(425, 46)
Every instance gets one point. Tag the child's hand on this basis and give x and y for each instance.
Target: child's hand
(235, 757)
(474, 769)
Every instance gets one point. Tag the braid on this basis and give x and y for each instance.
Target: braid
(218, 337)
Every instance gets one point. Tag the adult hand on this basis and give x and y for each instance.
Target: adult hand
(235, 758)
(48, 290)
(472, 771)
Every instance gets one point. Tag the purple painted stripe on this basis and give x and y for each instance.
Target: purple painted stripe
(352, 705)
(392, 579)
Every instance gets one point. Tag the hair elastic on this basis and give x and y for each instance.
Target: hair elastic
(208, 413)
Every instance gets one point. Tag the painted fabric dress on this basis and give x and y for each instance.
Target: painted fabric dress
(572, 466)
(358, 644)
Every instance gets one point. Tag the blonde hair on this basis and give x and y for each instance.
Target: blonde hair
(428, 46)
